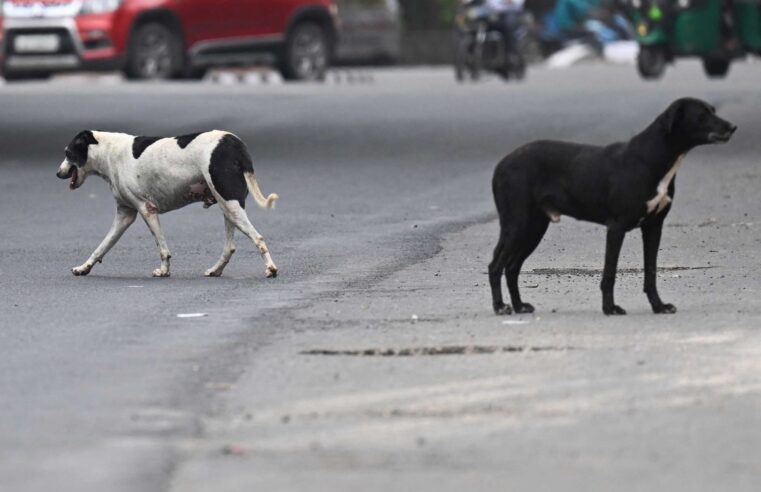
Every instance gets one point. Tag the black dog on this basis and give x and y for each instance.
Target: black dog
(621, 186)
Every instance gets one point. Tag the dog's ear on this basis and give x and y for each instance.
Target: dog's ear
(86, 137)
(77, 150)
(673, 115)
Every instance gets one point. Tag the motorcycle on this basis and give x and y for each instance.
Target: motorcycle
(480, 43)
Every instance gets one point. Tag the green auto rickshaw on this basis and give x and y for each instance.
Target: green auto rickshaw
(717, 31)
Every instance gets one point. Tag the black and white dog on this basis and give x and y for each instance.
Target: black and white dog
(621, 186)
(152, 175)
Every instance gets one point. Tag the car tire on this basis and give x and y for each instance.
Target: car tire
(716, 69)
(307, 53)
(651, 62)
(155, 53)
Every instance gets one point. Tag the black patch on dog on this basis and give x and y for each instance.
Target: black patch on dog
(142, 143)
(77, 150)
(229, 160)
(185, 140)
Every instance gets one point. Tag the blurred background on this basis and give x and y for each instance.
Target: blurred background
(165, 39)
(162, 39)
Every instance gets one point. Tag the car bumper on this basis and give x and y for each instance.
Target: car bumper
(85, 43)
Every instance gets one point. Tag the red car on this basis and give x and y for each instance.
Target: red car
(161, 39)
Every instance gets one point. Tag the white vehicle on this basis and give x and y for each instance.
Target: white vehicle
(370, 31)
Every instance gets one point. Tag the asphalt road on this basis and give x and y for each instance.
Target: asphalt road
(382, 235)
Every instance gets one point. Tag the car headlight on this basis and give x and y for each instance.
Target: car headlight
(99, 6)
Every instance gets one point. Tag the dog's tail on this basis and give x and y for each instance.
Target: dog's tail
(253, 187)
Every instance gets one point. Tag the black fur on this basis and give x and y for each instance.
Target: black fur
(184, 140)
(606, 185)
(229, 160)
(77, 150)
(141, 143)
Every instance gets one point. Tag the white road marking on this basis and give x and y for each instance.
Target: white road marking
(192, 315)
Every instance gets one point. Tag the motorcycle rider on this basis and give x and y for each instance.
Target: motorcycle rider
(507, 13)
(476, 20)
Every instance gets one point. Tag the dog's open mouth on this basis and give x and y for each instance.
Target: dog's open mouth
(73, 179)
(719, 137)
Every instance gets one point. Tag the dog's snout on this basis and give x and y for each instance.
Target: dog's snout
(65, 171)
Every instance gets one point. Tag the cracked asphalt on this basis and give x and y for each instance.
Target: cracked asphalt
(374, 360)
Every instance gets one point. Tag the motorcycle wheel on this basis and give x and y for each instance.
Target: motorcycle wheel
(513, 68)
(477, 60)
(716, 69)
(518, 66)
(651, 62)
(461, 56)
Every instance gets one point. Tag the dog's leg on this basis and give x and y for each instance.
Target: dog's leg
(227, 253)
(124, 218)
(151, 217)
(651, 240)
(496, 268)
(534, 233)
(237, 215)
(613, 245)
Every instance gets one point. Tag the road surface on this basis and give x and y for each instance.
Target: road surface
(360, 367)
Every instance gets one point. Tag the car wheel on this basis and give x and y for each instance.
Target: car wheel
(651, 62)
(717, 69)
(307, 53)
(155, 53)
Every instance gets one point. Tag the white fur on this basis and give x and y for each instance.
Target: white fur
(662, 198)
(164, 178)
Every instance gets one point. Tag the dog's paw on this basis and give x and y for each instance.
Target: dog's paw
(503, 310)
(613, 310)
(213, 272)
(524, 308)
(161, 273)
(81, 270)
(271, 271)
(664, 309)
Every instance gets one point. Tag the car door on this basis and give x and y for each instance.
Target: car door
(275, 15)
(206, 20)
(249, 18)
